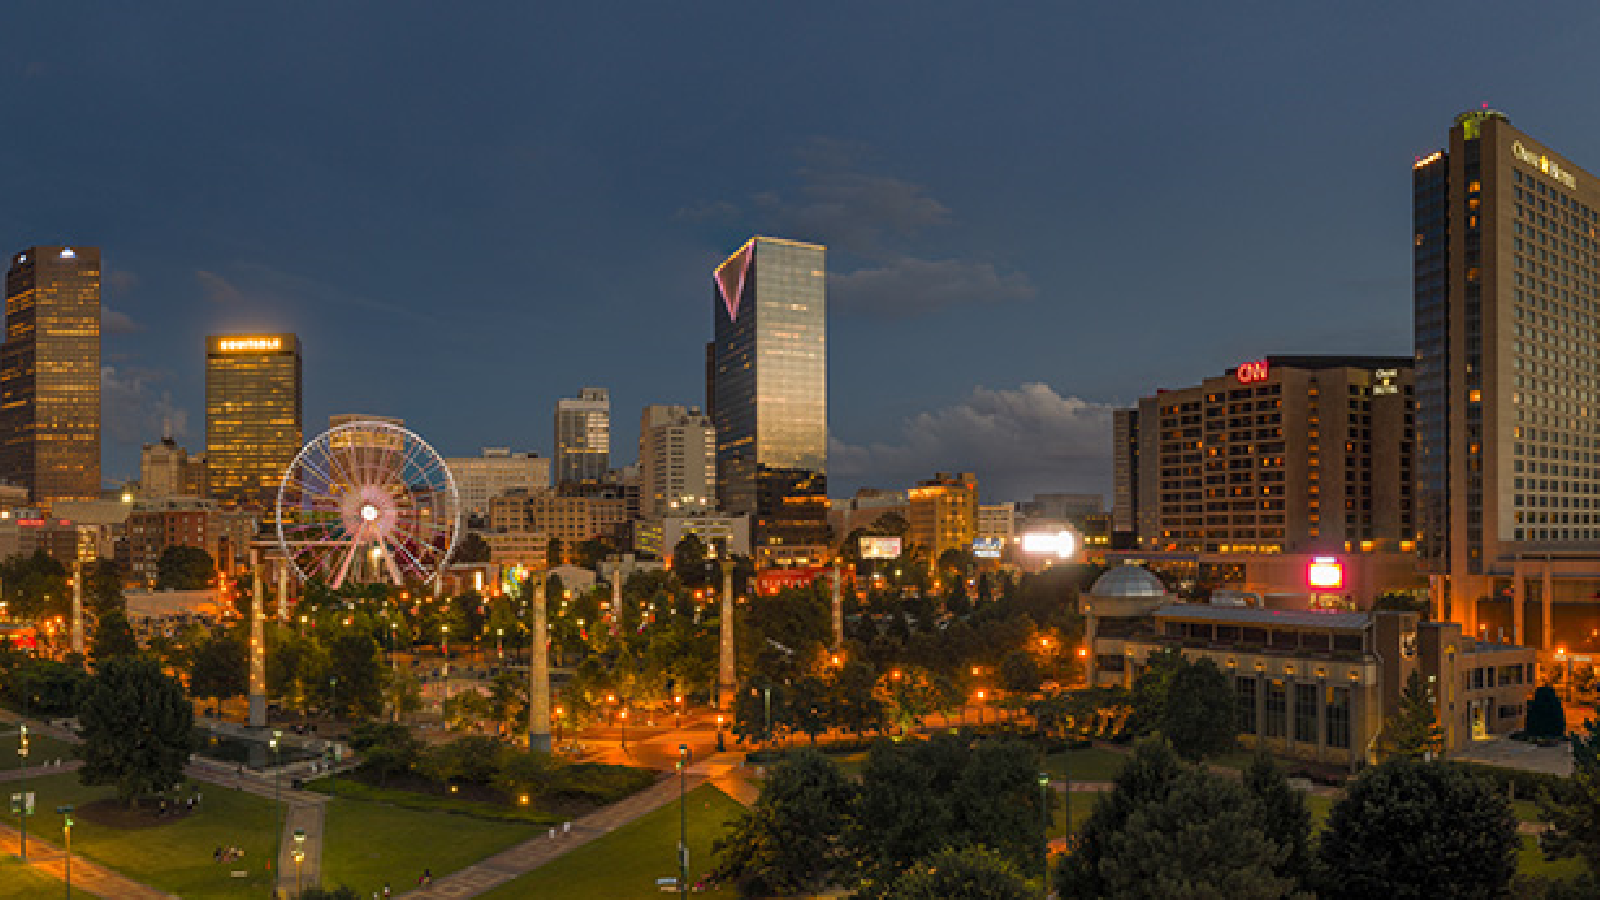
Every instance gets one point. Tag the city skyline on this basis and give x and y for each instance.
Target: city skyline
(1014, 200)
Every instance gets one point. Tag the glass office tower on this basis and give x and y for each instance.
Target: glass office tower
(50, 374)
(768, 387)
(253, 415)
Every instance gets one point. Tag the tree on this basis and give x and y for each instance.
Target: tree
(1019, 672)
(1285, 817)
(472, 549)
(1414, 829)
(184, 569)
(995, 802)
(1546, 718)
(1150, 688)
(102, 588)
(113, 636)
(466, 710)
(970, 873)
(789, 842)
(1204, 838)
(552, 553)
(1200, 714)
(354, 661)
(137, 728)
(689, 561)
(221, 669)
(35, 586)
(1402, 601)
(1574, 815)
(1413, 730)
(854, 703)
(591, 552)
(1147, 777)
(387, 750)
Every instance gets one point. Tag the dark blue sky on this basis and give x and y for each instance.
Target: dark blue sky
(1034, 210)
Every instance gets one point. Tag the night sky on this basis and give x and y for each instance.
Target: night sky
(1034, 211)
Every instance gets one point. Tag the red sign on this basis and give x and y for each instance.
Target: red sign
(770, 581)
(1251, 372)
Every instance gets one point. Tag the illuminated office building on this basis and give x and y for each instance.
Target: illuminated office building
(1507, 306)
(50, 374)
(768, 386)
(253, 415)
(583, 437)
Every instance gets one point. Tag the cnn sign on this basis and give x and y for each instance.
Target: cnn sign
(1251, 372)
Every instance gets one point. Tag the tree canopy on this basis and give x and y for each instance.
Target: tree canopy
(970, 873)
(137, 728)
(790, 841)
(1413, 729)
(181, 568)
(1546, 717)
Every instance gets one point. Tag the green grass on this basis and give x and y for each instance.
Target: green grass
(1088, 764)
(1526, 810)
(1531, 861)
(627, 862)
(367, 844)
(41, 747)
(19, 881)
(171, 854)
(350, 789)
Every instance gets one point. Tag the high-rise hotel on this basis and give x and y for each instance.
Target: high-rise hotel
(50, 374)
(767, 386)
(1507, 298)
(253, 415)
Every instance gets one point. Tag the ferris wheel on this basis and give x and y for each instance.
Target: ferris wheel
(368, 501)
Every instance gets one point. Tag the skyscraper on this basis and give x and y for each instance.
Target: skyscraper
(677, 462)
(253, 415)
(583, 436)
(1507, 303)
(50, 374)
(769, 395)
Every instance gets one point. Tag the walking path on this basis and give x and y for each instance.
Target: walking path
(531, 854)
(94, 878)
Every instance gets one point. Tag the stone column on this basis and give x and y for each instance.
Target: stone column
(538, 669)
(1519, 596)
(616, 600)
(727, 681)
(1547, 606)
(838, 608)
(77, 608)
(283, 590)
(258, 648)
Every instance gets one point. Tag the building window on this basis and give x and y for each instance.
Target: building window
(1245, 689)
(1339, 717)
(1305, 713)
(1277, 709)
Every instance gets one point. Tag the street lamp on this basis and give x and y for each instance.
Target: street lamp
(299, 857)
(277, 779)
(683, 819)
(499, 643)
(444, 645)
(66, 829)
(766, 692)
(622, 714)
(1044, 820)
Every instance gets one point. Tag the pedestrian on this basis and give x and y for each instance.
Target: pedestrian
(427, 878)
(386, 891)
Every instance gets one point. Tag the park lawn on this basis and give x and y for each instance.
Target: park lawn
(367, 844)
(41, 748)
(1531, 861)
(172, 854)
(351, 789)
(1087, 764)
(627, 862)
(19, 881)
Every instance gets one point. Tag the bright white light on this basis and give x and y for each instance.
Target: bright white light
(1061, 544)
(66, 253)
(369, 512)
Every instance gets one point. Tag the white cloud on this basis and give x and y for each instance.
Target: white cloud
(218, 289)
(116, 322)
(136, 410)
(1019, 442)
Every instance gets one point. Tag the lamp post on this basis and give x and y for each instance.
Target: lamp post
(622, 715)
(766, 692)
(444, 642)
(499, 643)
(683, 819)
(66, 830)
(23, 805)
(277, 781)
(299, 857)
(1044, 821)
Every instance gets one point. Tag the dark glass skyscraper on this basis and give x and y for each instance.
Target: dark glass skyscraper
(768, 391)
(50, 374)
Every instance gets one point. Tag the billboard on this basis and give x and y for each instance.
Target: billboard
(875, 547)
(1061, 543)
(1325, 572)
(987, 547)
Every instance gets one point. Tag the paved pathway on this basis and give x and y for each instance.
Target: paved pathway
(91, 877)
(40, 771)
(529, 855)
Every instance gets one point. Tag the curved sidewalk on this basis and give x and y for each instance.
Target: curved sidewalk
(91, 877)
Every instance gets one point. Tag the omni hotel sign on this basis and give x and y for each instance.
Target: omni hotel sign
(251, 343)
(1544, 164)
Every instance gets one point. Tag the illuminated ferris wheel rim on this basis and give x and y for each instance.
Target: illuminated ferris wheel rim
(368, 485)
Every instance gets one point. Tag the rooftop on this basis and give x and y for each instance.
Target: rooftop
(1300, 618)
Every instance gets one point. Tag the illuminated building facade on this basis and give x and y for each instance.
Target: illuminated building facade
(1507, 309)
(944, 512)
(768, 384)
(253, 416)
(1281, 455)
(50, 374)
(583, 437)
(677, 462)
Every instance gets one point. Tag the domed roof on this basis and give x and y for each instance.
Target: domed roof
(1128, 581)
